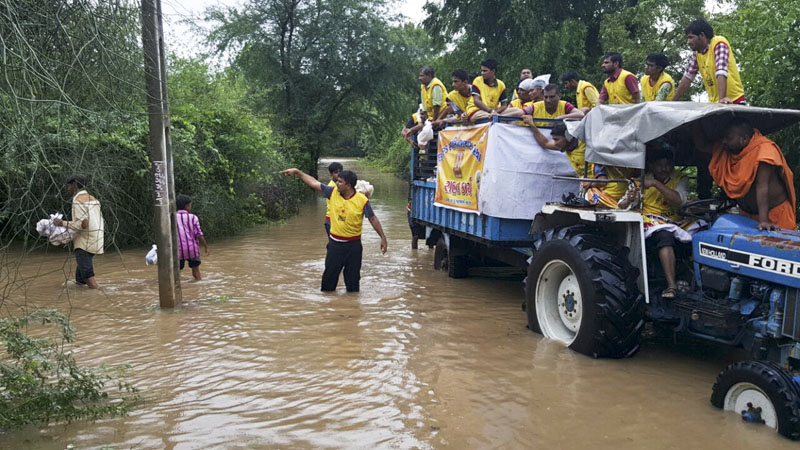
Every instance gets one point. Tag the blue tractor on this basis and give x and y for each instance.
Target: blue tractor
(592, 284)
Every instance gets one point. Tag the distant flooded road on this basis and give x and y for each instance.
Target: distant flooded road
(258, 357)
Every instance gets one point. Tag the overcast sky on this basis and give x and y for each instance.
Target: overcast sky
(182, 40)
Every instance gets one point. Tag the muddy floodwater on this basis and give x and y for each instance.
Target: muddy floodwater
(258, 357)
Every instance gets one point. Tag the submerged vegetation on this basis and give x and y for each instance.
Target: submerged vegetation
(42, 383)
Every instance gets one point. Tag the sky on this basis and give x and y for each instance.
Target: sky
(181, 39)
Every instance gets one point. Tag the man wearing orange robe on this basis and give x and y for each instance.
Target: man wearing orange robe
(751, 169)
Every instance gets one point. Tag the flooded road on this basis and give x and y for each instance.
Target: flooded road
(258, 357)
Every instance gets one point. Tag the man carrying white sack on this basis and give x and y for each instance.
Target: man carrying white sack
(89, 226)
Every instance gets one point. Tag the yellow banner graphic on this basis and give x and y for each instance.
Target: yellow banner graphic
(459, 163)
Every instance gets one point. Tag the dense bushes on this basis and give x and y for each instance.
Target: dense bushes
(225, 158)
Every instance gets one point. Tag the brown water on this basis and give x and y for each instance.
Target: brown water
(259, 358)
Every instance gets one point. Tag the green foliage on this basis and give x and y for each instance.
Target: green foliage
(41, 383)
(553, 38)
(226, 157)
(326, 71)
(651, 26)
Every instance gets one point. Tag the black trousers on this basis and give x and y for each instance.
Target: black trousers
(342, 255)
(84, 268)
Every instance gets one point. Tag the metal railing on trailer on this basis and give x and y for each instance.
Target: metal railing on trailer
(492, 231)
(423, 161)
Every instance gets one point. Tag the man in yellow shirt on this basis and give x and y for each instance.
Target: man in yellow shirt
(665, 189)
(552, 107)
(572, 147)
(524, 91)
(657, 85)
(621, 87)
(713, 58)
(432, 92)
(334, 169)
(489, 97)
(348, 209)
(586, 94)
(414, 125)
(457, 100)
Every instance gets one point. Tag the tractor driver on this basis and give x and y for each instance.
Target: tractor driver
(752, 170)
(665, 189)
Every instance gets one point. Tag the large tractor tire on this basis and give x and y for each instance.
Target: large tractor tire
(454, 259)
(761, 392)
(583, 292)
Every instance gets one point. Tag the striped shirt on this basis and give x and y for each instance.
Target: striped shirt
(188, 232)
(720, 62)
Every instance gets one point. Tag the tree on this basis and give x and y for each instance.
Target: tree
(651, 26)
(323, 68)
(553, 38)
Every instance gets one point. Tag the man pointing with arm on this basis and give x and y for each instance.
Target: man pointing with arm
(348, 209)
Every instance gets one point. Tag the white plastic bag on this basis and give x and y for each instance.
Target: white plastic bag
(425, 135)
(151, 259)
(365, 187)
(56, 235)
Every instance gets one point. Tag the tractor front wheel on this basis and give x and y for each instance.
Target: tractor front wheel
(761, 392)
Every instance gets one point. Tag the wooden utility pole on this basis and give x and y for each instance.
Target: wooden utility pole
(169, 284)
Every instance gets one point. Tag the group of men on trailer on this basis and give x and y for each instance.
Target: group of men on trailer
(747, 166)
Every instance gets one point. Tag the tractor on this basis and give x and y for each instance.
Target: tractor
(593, 285)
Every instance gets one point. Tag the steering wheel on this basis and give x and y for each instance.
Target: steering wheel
(707, 209)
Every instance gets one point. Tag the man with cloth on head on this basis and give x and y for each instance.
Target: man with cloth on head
(348, 209)
(524, 94)
(657, 85)
(751, 169)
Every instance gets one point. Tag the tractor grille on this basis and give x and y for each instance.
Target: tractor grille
(791, 314)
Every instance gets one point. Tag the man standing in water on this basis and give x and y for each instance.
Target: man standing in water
(87, 222)
(348, 209)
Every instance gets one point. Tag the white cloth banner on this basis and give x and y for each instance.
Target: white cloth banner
(517, 177)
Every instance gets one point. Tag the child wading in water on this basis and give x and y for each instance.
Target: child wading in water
(189, 234)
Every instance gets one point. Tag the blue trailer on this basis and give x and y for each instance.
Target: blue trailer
(470, 240)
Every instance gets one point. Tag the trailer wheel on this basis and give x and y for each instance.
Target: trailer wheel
(583, 293)
(453, 259)
(761, 392)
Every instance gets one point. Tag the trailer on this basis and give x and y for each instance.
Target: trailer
(507, 177)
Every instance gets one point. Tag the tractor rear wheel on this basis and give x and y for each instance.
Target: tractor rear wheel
(583, 293)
